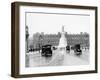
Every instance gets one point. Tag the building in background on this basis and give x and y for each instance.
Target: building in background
(40, 39)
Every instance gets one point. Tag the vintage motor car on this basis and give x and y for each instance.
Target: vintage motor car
(77, 49)
(46, 51)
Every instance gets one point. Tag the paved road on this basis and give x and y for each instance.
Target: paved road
(59, 58)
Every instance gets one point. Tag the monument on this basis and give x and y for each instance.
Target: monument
(63, 40)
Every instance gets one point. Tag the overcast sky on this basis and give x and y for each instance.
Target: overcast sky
(52, 23)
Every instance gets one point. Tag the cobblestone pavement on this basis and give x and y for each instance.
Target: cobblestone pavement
(59, 58)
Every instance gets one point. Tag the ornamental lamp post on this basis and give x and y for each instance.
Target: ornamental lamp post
(40, 42)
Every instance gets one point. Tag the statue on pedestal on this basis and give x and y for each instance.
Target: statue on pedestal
(63, 40)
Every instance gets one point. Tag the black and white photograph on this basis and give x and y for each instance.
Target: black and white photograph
(52, 39)
(57, 39)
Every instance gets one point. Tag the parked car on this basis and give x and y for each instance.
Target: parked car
(31, 49)
(77, 49)
(46, 51)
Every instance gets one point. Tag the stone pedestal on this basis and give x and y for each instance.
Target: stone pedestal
(62, 42)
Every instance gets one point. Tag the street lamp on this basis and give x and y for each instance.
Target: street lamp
(40, 42)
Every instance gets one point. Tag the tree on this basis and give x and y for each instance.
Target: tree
(27, 36)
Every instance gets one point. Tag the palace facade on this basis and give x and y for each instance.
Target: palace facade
(40, 39)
